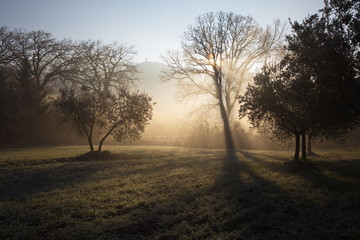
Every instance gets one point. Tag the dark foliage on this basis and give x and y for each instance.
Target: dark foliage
(314, 90)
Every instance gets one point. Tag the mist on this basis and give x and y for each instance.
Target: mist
(185, 122)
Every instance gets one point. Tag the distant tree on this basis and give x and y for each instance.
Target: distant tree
(103, 74)
(122, 114)
(50, 59)
(104, 67)
(32, 63)
(32, 104)
(6, 43)
(22, 104)
(217, 53)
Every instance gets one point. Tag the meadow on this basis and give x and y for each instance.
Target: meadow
(177, 193)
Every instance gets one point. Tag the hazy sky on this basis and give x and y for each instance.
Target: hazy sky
(152, 26)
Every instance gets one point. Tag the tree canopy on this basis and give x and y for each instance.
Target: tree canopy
(217, 52)
(91, 79)
(314, 90)
(122, 114)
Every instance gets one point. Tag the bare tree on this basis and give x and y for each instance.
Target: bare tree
(31, 63)
(6, 43)
(102, 98)
(49, 58)
(216, 55)
(103, 67)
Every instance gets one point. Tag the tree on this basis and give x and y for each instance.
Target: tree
(277, 105)
(123, 114)
(103, 67)
(217, 53)
(322, 47)
(22, 105)
(50, 59)
(315, 88)
(101, 99)
(6, 43)
(347, 15)
(32, 63)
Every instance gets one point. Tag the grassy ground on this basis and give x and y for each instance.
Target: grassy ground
(177, 193)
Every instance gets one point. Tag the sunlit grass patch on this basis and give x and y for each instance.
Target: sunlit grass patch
(176, 193)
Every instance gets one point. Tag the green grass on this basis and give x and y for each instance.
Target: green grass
(177, 193)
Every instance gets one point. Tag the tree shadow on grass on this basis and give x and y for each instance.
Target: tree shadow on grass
(274, 165)
(263, 209)
(345, 168)
(23, 179)
(241, 203)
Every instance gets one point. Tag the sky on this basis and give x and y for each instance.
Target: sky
(151, 26)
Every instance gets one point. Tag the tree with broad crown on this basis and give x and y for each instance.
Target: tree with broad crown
(216, 55)
(315, 87)
(123, 114)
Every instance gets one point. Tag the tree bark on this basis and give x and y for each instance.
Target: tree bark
(297, 146)
(229, 142)
(108, 133)
(102, 141)
(227, 130)
(303, 146)
(309, 144)
(90, 143)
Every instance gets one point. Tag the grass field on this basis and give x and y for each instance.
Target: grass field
(177, 193)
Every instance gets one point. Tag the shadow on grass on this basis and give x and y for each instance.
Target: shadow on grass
(344, 168)
(241, 202)
(21, 180)
(263, 209)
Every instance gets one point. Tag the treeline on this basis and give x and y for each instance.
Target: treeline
(314, 90)
(85, 84)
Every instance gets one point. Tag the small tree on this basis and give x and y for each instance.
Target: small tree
(123, 115)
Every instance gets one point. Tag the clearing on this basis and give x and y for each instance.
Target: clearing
(177, 193)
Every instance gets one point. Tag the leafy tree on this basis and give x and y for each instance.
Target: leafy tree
(217, 52)
(123, 114)
(315, 87)
(103, 74)
(277, 105)
(320, 46)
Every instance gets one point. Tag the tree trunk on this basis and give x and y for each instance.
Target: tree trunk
(309, 144)
(297, 146)
(90, 143)
(89, 134)
(108, 133)
(224, 115)
(101, 143)
(227, 130)
(303, 146)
